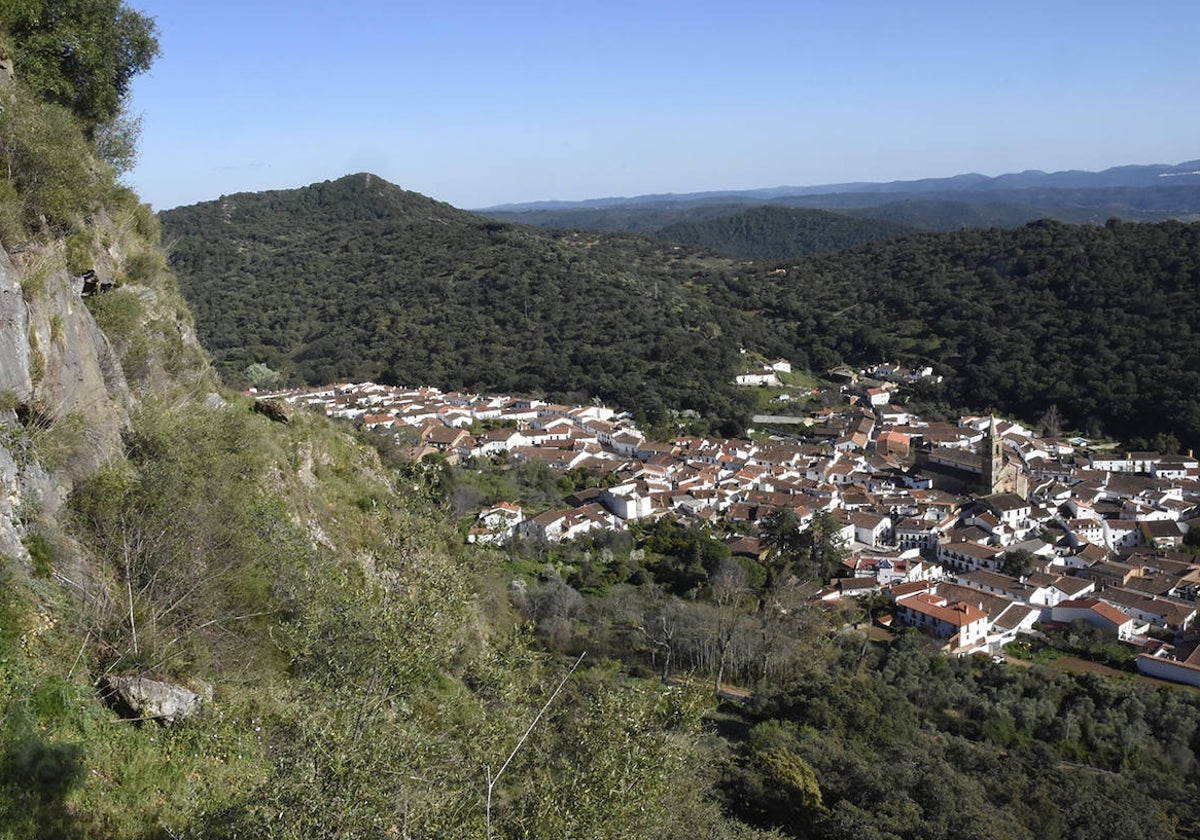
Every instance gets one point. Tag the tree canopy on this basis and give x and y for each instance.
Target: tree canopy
(81, 54)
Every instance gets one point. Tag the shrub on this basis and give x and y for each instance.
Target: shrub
(12, 230)
(119, 313)
(44, 149)
(141, 266)
(146, 225)
(40, 555)
(79, 252)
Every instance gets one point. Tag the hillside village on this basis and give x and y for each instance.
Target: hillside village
(974, 530)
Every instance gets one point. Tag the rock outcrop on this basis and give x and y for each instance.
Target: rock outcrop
(274, 409)
(15, 378)
(141, 698)
(61, 388)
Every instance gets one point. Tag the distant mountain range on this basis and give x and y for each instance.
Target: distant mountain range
(1131, 193)
(1152, 175)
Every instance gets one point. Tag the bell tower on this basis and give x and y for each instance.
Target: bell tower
(993, 459)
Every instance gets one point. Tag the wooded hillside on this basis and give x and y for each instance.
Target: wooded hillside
(1101, 321)
(358, 279)
(773, 233)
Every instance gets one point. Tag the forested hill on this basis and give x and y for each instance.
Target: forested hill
(358, 279)
(954, 214)
(921, 211)
(1102, 321)
(276, 216)
(1098, 320)
(772, 233)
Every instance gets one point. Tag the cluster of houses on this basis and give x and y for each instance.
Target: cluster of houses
(767, 374)
(975, 530)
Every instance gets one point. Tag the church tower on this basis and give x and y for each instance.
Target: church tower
(993, 460)
(1001, 475)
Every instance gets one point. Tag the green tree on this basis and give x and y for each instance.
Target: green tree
(81, 54)
(262, 377)
(1017, 563)
(1166, 443)
(781, 533)
(815, 551)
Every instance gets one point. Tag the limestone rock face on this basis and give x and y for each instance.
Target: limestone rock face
(61, 385)
(14, 333)
(79, 372)
(142, 698)
(10, 502)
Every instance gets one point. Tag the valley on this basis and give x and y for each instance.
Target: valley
(856, 511)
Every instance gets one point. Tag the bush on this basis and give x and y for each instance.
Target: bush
(51, 166)
(40, 555)
(142, 266)
(12, 229)
(119, 313)
(79, 252)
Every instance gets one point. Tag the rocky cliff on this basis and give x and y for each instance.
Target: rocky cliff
(65, 398)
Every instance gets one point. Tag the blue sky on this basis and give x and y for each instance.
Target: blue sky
(482, 103)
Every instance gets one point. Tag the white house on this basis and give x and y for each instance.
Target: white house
(1170, 663)
(1096, 613)
(631, 500)
(964, 625)
(965, 556)
(870, 528)
(1122, 533)
(762, 377)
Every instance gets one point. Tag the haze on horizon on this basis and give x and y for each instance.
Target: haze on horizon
(480, 104)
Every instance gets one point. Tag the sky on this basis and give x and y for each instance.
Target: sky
(485, 103)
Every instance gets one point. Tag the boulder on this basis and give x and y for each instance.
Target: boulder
(141, 698)
(274, 409)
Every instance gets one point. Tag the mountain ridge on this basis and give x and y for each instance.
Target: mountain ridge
(1121, 175)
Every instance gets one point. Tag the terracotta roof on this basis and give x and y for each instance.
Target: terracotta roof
(1097, 606)
(956, 614)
